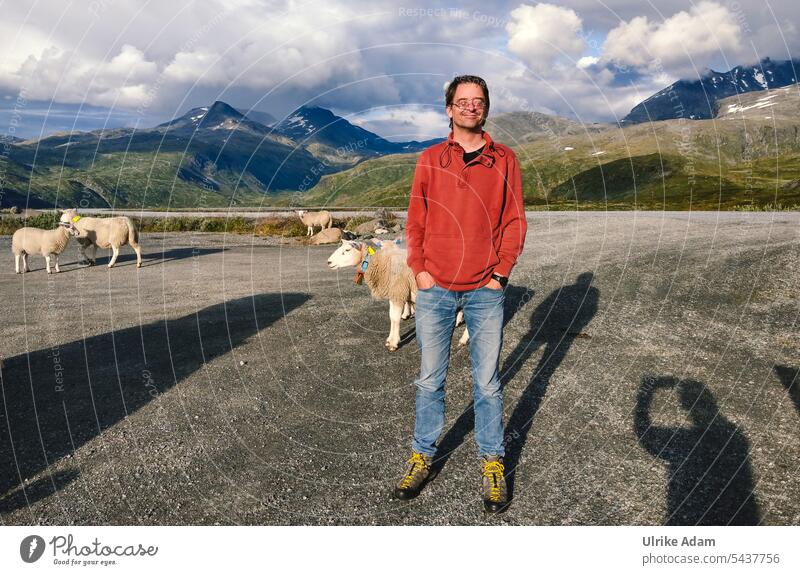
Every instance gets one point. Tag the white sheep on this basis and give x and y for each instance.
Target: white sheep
(105, 233)
(388, 277)
(322, 219)
(326, 236)
(47, 243)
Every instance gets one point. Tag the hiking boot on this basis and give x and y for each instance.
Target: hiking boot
(495, 491)
(418, 472)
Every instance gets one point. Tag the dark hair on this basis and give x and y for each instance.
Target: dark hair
(450, 92)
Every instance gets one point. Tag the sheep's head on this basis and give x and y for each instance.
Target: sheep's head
(70, 227)
(68, 216)
(300, 212)
(348, 254)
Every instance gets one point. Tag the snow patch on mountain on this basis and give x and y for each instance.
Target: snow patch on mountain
(759, 77)
(765, 102)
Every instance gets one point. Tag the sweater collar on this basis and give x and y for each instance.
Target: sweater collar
(488, 142)
(486, 157)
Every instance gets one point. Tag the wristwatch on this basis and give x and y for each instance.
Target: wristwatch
(502, 280)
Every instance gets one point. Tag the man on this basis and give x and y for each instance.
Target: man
(466, 228)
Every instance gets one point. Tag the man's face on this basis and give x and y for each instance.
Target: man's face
(467, 117)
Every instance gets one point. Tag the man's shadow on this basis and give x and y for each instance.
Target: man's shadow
(710, 480)
(555, 323)
(790, 380)
(57, 399)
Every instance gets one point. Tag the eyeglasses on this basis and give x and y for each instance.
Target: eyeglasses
(464, 104)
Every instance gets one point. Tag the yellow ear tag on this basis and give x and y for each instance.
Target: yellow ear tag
(371, 250)
(75, 219)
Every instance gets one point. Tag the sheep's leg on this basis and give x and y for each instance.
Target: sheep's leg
(93, 257)
(395, 312)
(464, 338)
(25, 263)
(47, 261)
(310, 231)
(406, 311)
(83, 253)
(413, 309)
(58, 270)
(16, 263)
(114, 255)
(138, 249)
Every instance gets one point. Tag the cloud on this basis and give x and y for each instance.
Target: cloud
(403, 123)
(308, 46)
(543, 34)
(64, 76)
(590, 59)
(681, 45)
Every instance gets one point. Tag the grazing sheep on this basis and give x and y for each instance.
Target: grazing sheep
(388, 277)
(26, 241)
(326, 236)
(322, 219)
(105, 233)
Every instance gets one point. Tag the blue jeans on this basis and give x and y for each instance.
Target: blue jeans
(435, 321)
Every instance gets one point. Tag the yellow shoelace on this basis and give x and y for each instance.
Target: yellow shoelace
(417, 463)
(491, 470)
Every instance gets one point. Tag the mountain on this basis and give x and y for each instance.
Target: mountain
(217, 117)
(519, 127)
(779, 105)
(696, 99)
(210, 156)
(338, 140)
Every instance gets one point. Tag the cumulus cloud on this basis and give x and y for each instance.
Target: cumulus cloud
(681, 44)
(64, 76)
(543, 34)
(359, 56)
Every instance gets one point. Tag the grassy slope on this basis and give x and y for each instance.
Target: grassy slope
(664, 165)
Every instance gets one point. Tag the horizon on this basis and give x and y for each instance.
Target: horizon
(95, 114)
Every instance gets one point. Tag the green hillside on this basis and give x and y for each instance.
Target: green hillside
(738, 160)
(745, 158)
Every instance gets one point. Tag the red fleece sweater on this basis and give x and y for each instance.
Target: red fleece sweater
(465, 222)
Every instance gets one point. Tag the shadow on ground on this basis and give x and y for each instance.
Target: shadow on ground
(56, 400)
(709, 479)
(154, 258)
(789, 379)
(555, 323)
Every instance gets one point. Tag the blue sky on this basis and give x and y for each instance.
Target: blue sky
(382, 65)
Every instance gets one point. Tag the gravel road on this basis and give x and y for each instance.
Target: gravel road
(648, 363)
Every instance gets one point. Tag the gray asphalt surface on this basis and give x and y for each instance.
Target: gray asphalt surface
(236, 380)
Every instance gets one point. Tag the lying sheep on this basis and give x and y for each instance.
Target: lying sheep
(26, 241)
(322, 219)
(105, 233)
(388, 277)
(326, 236)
